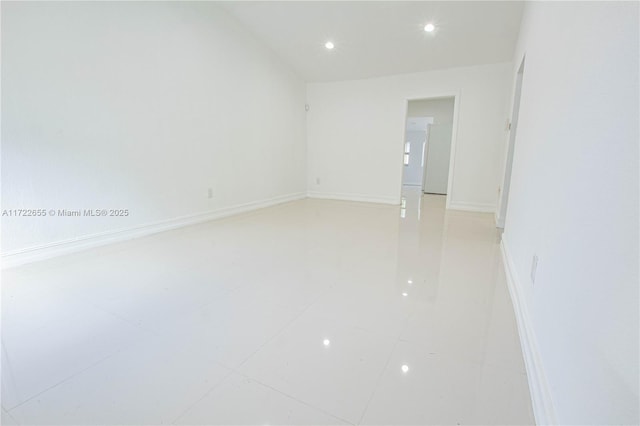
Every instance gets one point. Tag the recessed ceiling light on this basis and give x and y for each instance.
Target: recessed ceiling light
(405, 368)
(329, 45)
(429, 27)
(326, 342)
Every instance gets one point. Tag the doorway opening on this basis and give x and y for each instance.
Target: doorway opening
(415, 147)
(428, 142)
(506, 185)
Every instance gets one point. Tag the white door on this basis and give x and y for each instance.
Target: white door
(437, 163)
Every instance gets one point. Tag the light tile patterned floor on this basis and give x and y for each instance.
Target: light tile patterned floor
(311, 312)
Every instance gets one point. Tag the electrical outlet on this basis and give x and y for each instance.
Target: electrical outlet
(317, 181)
(210, 192)
(534, 268)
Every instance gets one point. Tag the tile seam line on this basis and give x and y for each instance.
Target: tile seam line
(189, 407)
(282, 330)
(386, 365)
(235, 369)
(378, 380)
(89, 367)
(295, 398)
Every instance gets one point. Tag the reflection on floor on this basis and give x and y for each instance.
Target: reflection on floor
(312, 312)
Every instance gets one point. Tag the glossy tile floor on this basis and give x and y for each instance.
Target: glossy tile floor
(311, 312)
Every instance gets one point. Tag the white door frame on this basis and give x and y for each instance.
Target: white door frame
(454, 136)
(501, 211)
(425, 153)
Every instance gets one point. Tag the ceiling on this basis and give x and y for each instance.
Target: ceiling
(380, 38)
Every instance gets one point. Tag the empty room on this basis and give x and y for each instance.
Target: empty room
(320, 213)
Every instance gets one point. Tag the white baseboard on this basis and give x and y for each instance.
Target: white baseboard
(472, 207)
(353, 197)
(59, 248)
(542, 403)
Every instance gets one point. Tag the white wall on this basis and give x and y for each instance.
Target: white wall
(412, 173)
(140, 106)
(574, 203)
(440, 109)
(349, 118)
